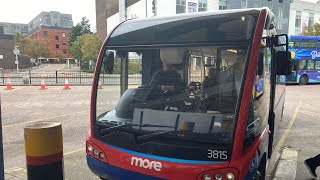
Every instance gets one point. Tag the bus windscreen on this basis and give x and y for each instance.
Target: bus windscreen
(186, 97)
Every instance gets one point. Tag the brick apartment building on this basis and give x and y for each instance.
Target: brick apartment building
(55, 27)
(52, 26)
(58, 38)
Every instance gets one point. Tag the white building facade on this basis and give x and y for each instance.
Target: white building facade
(302, 15)
(149, 8)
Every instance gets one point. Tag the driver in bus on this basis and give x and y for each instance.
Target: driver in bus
(211, 79)
(210, 89)
(166, 82)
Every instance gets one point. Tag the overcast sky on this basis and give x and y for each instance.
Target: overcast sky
(23, 11)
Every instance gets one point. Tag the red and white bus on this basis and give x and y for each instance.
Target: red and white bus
(204, 103)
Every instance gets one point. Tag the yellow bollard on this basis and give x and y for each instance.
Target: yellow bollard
(44, 151)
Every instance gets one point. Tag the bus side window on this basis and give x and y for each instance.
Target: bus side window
(310, 64)
(303, 64)
(317, 65)
(294, 44)
(259, 106)
(308, 44)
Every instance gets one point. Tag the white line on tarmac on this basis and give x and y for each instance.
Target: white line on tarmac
(14, 169)
(286, 133)
(8, 91)
(75, 151)
(53, 117)
(19, 169)
(276, 152)
(310, 113)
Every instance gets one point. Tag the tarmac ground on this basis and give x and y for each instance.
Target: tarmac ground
(24, 105)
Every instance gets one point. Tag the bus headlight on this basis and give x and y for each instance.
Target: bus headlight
(206, 177)
(96, 152)
(218, 177)
(90, 148)
(101, 155)
(230, 176)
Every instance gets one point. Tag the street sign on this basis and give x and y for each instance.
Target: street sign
(1, 56)
(16, 51)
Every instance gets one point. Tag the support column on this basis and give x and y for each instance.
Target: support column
(124, 74)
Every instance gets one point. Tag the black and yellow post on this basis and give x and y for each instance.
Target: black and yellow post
(44, 151)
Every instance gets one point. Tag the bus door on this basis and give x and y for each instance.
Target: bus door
(259, 111)
(293, 76)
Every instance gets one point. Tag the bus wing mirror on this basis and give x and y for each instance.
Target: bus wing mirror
(283, 63)
(281, 42)
(109, 62)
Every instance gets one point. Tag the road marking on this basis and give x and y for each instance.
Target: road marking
(8, 91)
(27, 122)
(75, 151)
(287, 131)
(17, 169)
(14, 169)
(276, 152)
(310, 113)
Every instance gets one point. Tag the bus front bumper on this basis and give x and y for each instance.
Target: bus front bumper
(108, 171)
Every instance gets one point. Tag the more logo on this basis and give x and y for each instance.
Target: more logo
(315, 54)
(146, 163)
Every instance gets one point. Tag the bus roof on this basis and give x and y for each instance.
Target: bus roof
(235, 25)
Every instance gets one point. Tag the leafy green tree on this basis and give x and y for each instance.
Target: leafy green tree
(312, 30)
(75, 50)
(90, 48)
(23, 42)
(86, 48)
(32, 48)
(80, 29)
(39, 48)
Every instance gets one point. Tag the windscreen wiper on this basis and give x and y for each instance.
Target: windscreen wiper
(114, 128)
(148, 137)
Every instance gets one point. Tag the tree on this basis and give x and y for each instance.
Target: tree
(39, 48)
(23, 42)
(90, 48)
(32, 48)
(312, 30)
(80, 29)
(86, 48)
(75, 50)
